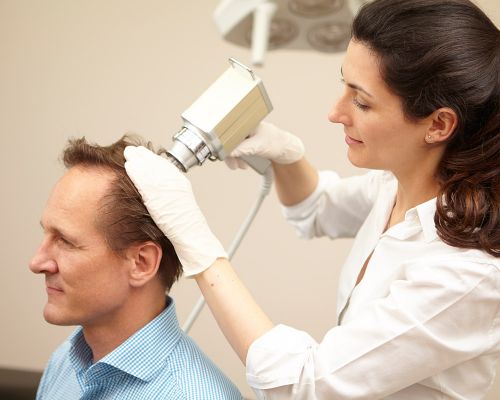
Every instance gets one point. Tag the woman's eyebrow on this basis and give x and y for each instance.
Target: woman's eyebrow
(353, 85)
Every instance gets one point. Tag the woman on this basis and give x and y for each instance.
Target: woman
(419, 294)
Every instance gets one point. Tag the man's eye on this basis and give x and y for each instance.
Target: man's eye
(65, 242)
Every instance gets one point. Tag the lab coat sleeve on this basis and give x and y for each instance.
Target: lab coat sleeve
(337, 207)
(423, 326)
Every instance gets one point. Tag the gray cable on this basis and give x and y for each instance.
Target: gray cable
(265, 189)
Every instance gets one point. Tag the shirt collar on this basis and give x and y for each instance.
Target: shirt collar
(418, 220)
(142, 354)
(426, 212)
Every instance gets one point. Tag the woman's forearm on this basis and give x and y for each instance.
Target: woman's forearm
(294, 182)
(238, 315)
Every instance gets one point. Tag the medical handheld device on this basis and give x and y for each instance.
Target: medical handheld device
(221, 118)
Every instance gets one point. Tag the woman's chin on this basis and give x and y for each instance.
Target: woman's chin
(355, 159)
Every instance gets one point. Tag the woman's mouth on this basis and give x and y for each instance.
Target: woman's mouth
(351, 141)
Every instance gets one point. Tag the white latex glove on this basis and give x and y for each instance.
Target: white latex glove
(168, 196)
(270, 142)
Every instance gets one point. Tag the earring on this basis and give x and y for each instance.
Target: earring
(429, 139)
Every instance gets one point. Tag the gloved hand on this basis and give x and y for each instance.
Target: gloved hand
(270, 142)
(168, 196)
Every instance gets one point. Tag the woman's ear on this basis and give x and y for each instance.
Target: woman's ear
(145, 259)
(443, 123)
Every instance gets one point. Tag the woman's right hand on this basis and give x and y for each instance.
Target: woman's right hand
(269, 142)
(168, 196)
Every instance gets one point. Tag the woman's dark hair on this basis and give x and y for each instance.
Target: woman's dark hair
(446, 53)
(122, 217)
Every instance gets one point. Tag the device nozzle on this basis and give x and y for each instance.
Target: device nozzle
(188, 149)
(176, 162)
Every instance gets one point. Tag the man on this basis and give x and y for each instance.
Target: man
(107, 268)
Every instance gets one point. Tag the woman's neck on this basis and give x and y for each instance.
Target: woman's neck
(412, 191)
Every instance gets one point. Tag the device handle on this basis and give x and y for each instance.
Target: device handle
(259, 164)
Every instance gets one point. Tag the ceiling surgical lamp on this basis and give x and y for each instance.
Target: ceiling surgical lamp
(322, 25)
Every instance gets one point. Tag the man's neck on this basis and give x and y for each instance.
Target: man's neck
(105, 336)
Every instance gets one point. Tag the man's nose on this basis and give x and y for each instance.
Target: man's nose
(43, 261)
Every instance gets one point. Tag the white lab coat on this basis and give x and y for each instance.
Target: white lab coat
(424, 323)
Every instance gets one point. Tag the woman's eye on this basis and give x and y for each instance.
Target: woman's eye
(361, 106)
(355, 101)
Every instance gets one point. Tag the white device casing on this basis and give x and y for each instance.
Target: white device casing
(222, 117)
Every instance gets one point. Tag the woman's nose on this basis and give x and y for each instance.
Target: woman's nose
(339, 112)
(42, 261)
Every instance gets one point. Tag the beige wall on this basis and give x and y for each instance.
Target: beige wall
(101, 68)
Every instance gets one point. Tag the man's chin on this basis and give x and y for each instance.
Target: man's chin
(55, 318)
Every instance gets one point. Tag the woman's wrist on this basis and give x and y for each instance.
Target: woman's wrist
(295, 182)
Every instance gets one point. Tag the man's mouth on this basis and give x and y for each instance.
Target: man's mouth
(53, 289)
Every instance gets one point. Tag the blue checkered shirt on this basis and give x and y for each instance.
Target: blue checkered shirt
(157, 362)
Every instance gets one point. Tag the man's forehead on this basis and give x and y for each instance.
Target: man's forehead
(77, 194)
(86, 182)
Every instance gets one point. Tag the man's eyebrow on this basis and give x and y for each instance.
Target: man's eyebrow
(354, 86)
(57, 231)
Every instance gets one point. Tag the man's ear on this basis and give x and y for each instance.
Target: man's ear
(443, 123)
(145, 259)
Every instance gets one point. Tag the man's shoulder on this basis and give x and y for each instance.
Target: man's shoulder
(196, 374)
(58, 375)
(59, 363)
